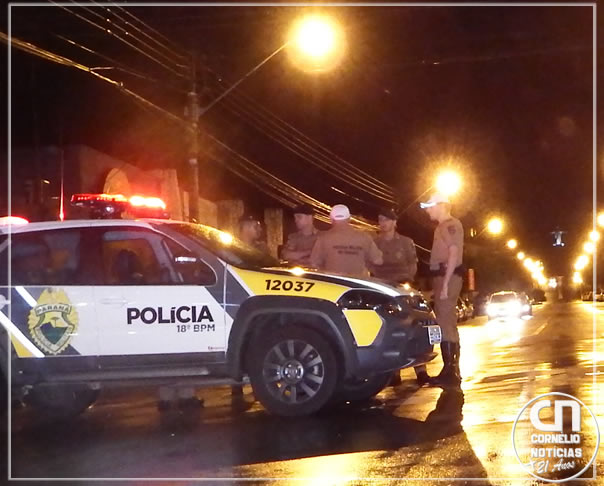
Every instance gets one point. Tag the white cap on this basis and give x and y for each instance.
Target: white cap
(339, 212)
(437, 198)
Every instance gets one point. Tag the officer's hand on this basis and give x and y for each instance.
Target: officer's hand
(444, 293)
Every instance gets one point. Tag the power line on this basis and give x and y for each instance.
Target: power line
(118, 66)
(113, 34)
(177, 55)
(302, 150)
(320, 150)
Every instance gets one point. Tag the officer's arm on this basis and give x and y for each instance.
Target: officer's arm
(376, 257)
(317, 259)
(451, 263)
(412, 260)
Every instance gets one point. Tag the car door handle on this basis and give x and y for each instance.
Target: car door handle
(114, 301)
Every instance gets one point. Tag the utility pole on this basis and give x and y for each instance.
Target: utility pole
(193, 117)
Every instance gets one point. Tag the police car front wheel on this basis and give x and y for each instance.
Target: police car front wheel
(293, 372)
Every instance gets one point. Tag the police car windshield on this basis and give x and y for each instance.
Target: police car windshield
(230, 249)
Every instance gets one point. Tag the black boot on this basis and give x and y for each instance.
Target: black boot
(456, 363)
(447, 376)
(422, 378)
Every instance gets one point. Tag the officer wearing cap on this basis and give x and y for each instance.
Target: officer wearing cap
(250, 232)
(400, 257)
(447, 271)
(299, 245)
(343, 248)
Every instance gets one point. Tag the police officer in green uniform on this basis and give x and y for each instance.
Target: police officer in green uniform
(400, 257)
(447, 277)
(400, 266)
(250, 232)
(299, 245)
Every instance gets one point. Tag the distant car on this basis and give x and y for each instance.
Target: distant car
(538, 296)
(600, 296)
(527, 304)
(470, 312)
(507, 304)
(461, 310)
(587, 296)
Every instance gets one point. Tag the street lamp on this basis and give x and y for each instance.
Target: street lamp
(594, 236)
(521, 255)
(601, 219)
(589, 247)
(577, 279)
(581, 262)
(512, 244)
(448, 183)
(317, 43)
(495, 226)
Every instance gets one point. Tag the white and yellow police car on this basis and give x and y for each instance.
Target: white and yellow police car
(87, 304)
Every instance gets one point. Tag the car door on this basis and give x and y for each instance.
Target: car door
(154, 299)
(52, 301)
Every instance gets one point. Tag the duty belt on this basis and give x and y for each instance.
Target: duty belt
(439, 270)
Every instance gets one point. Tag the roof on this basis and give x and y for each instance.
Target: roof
(77, 223)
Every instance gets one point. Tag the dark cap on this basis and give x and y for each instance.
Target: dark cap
(304, 209)
(389, 213)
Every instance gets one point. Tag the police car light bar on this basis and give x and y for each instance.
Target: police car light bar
(113, 205)
(14, 220)
(147, 202)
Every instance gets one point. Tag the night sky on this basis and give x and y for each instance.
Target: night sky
(502, 93)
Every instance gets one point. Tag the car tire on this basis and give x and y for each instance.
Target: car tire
(61, 402)
(363, 389)
(293, 371)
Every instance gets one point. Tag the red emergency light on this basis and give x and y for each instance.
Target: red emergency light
(107, 206)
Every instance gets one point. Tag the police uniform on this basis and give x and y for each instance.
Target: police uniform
(300, 242)
(344, 249)
(400, 259)
(447, 234)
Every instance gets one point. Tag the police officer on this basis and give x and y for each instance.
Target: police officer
(250, 232)
(447, 270)
(400, 257)
(400, 265)
(299, 245)
(343, 248)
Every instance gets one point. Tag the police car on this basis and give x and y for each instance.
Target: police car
(100, 302)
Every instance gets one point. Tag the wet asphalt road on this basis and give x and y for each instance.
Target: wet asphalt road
(405, 434)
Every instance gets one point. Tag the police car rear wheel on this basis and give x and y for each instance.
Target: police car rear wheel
(293, 371)
(362, 389)
(61, 402)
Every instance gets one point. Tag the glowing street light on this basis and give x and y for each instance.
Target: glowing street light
(495, 226)
(512, 244)
(317, 42)
(448, 183)
(577, 279)
(581, 262)
(594, 236)
(520, 255)
(589, 247)
(601, 219)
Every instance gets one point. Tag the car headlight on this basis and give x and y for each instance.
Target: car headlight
(370, 300)
(491, 309)
(415, 301)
